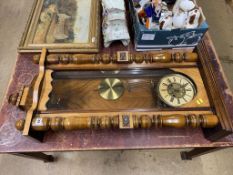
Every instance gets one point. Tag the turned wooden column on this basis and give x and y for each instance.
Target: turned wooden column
(120, 122)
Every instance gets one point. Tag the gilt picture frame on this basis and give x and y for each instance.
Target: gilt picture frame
(62, 26)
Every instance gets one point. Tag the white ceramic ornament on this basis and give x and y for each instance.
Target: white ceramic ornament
(193, 19)
(164, 6)
(176, 7)
(165, 22)
(179, 20)
(187, 5)
(183, 5)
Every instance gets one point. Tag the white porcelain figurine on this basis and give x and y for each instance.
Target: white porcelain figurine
(193, 19)
(165, 22)
(185, 14)
(187, 5)
(184, 5)
(179, 20)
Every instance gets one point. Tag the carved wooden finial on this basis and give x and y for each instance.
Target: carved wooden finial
(105, 59)
(190, 57)
(178, 57)
(138, 58)
(20, 124)
(36, 59)
(161, 58)
(209, 121)
(13, 99)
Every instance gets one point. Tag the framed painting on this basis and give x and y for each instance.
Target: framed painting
(62, 26)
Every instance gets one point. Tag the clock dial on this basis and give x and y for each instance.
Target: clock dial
(176, 90)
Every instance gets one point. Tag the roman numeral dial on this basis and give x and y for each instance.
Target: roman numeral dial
(176, 90)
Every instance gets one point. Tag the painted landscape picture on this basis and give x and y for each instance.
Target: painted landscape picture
(63, 21)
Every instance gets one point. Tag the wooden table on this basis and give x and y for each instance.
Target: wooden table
(12, 141)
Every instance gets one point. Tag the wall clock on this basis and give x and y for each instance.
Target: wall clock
(176, 90)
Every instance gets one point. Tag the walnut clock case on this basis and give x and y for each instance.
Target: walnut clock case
(147, 90)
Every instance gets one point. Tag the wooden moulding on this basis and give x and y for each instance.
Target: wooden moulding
(122, 121)
(45, 91)
(119, 60)
(119, 57)
(36, 92)
(208, 59)
(19, 98)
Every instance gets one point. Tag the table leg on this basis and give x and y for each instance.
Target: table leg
(36, 155)
(189, 155)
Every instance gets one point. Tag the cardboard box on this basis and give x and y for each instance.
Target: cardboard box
(152, 39)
